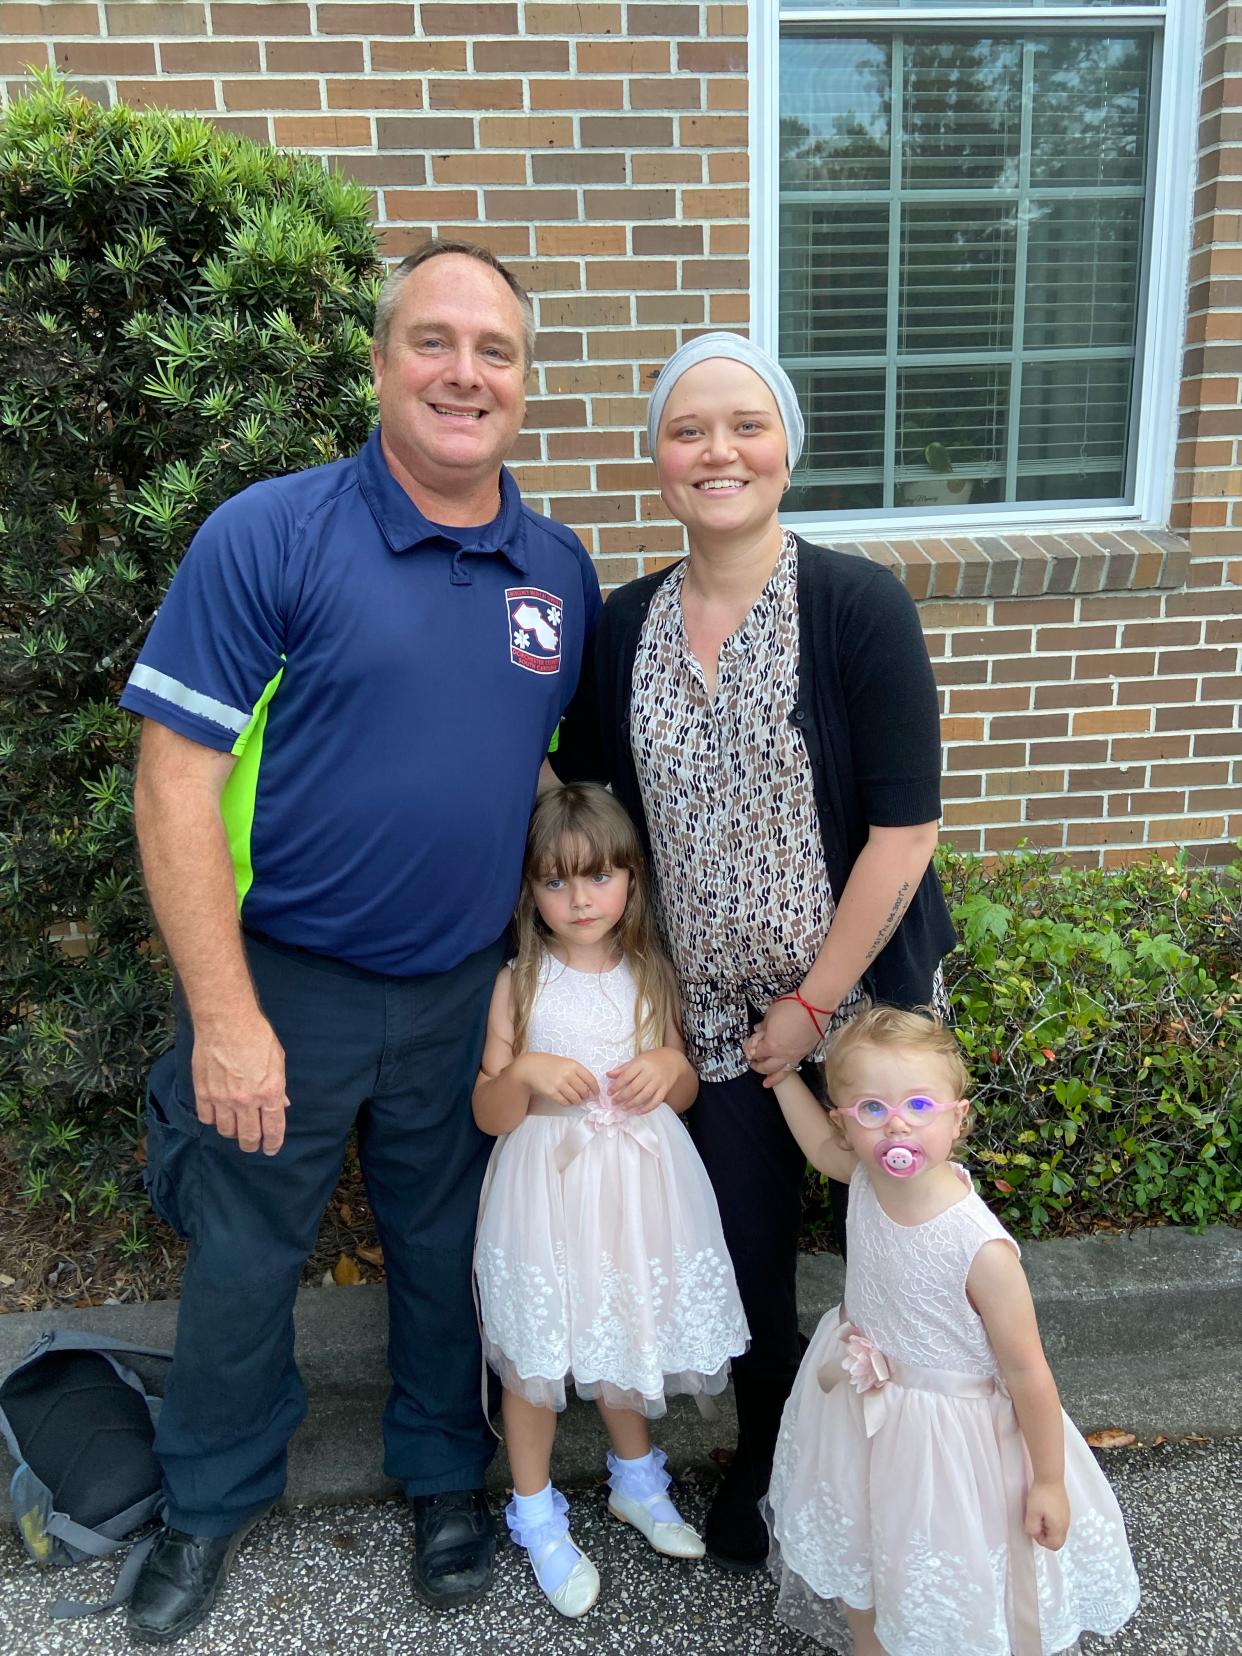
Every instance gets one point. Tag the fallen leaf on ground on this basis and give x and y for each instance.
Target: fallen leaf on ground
(722, 1457)
(346, 1213)
(140, 1151)
(371, 1252)
(1158, 1440)
(7, 1281)
(345, 1272)
(1111, 1437)
(1193, 1437)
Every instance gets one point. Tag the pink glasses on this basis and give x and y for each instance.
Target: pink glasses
(874, 1112)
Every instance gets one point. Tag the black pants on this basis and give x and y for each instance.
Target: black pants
(399, 1057)
(757, 1173)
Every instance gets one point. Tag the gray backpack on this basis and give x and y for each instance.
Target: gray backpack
(81, 1426)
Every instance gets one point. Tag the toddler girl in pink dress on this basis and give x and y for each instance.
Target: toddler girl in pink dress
(929, 1494)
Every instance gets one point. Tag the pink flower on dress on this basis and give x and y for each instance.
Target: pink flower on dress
(865, 1366)
(608, 1119)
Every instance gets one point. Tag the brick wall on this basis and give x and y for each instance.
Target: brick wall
(1090, 681)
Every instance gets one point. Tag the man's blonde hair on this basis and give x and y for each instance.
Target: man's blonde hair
(922, 1031)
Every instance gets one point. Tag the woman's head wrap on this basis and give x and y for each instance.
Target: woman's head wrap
(736, 349)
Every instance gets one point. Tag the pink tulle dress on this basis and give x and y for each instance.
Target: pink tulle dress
(599, 1257)
(900, 1476)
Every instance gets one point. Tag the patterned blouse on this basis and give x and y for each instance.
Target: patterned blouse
(737, 858)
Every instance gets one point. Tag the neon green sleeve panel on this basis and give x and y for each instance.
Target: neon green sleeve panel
(241, 789)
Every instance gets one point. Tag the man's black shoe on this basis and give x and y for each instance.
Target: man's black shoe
(454, 1547)
(178, 1584)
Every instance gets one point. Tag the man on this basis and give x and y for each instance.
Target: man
(348, 693)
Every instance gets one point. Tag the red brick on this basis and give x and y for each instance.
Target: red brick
(319, 56)
(469, 92)
(374, 92)
(418, 55)
(322, 131)
(283, 19)
(366, 19)
(207, 57)
(52, 19)
(268, 93)
(105, 57)
(470, 21)
(187, 17)
(171, 93)
(519, 57)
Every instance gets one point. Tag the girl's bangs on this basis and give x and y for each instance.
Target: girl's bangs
(583, 850)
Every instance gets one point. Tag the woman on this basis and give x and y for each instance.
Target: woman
(765, 710)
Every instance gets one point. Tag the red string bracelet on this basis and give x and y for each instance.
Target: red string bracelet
(813, 1012)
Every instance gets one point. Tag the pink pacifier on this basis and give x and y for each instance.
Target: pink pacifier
(900, 1157)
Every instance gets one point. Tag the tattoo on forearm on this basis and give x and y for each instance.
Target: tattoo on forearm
(890, 922)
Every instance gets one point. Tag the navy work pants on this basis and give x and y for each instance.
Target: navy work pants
(398, 1057)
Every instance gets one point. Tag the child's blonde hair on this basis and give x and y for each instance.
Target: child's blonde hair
(581, 829)
(922, 1031)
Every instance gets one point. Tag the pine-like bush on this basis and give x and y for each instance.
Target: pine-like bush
(181, 313)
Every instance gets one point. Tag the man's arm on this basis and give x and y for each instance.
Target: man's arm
(238, 1064)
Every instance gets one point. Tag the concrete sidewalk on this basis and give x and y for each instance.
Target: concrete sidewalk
(1143, 1332)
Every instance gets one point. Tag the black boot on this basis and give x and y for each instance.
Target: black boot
(178, 1584)
(735, 1533)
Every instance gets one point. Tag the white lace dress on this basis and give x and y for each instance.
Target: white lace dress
(901, 1487)
(599, 1256)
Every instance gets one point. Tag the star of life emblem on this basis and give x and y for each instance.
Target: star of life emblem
(534, 629)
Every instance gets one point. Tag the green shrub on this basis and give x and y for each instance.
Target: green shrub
(1101, 1013)
(181, 314)
(1102, 1017)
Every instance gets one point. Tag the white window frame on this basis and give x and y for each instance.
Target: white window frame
(1164, 283)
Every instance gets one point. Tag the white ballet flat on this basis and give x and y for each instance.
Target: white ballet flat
(579, 1590)
(673, 1540)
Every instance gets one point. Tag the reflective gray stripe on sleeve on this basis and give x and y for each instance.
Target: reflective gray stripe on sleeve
(193, 701)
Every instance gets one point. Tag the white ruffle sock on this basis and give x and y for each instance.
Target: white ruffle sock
(540, 1524)
(640, 1497)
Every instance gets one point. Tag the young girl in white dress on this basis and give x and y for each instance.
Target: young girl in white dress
(599, 1257)
(928, 1489)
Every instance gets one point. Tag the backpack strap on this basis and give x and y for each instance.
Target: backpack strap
(127, 1576)
(82, 1339)
(77, 1535)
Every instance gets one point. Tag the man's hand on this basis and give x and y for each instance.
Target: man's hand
(563, 1080)
(781, 1041)
(239, 1083)
(642, 1084)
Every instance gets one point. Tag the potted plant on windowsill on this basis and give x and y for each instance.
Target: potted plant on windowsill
(940, 485)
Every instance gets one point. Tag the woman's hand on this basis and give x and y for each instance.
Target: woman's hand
(643, 1084)
(781, 1041)
(563, 1080)
(1048, 1514)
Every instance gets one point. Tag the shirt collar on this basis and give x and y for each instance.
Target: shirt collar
(405, 528)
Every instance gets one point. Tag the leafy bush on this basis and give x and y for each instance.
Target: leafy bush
(1102, 1016)
(181, 314)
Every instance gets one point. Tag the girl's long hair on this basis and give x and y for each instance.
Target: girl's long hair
(581, 829)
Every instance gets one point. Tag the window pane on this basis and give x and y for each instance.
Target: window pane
(962, 416)
(962, 113)
(842, 464)
(834, 275)
(1082, 273)
(1089, 114)
(1073, 431)
(991, 290)
(957, 265)
(834, 115)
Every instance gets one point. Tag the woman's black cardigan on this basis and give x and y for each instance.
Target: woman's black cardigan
(867, 710)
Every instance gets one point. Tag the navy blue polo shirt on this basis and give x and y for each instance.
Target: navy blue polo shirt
(389, 689)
